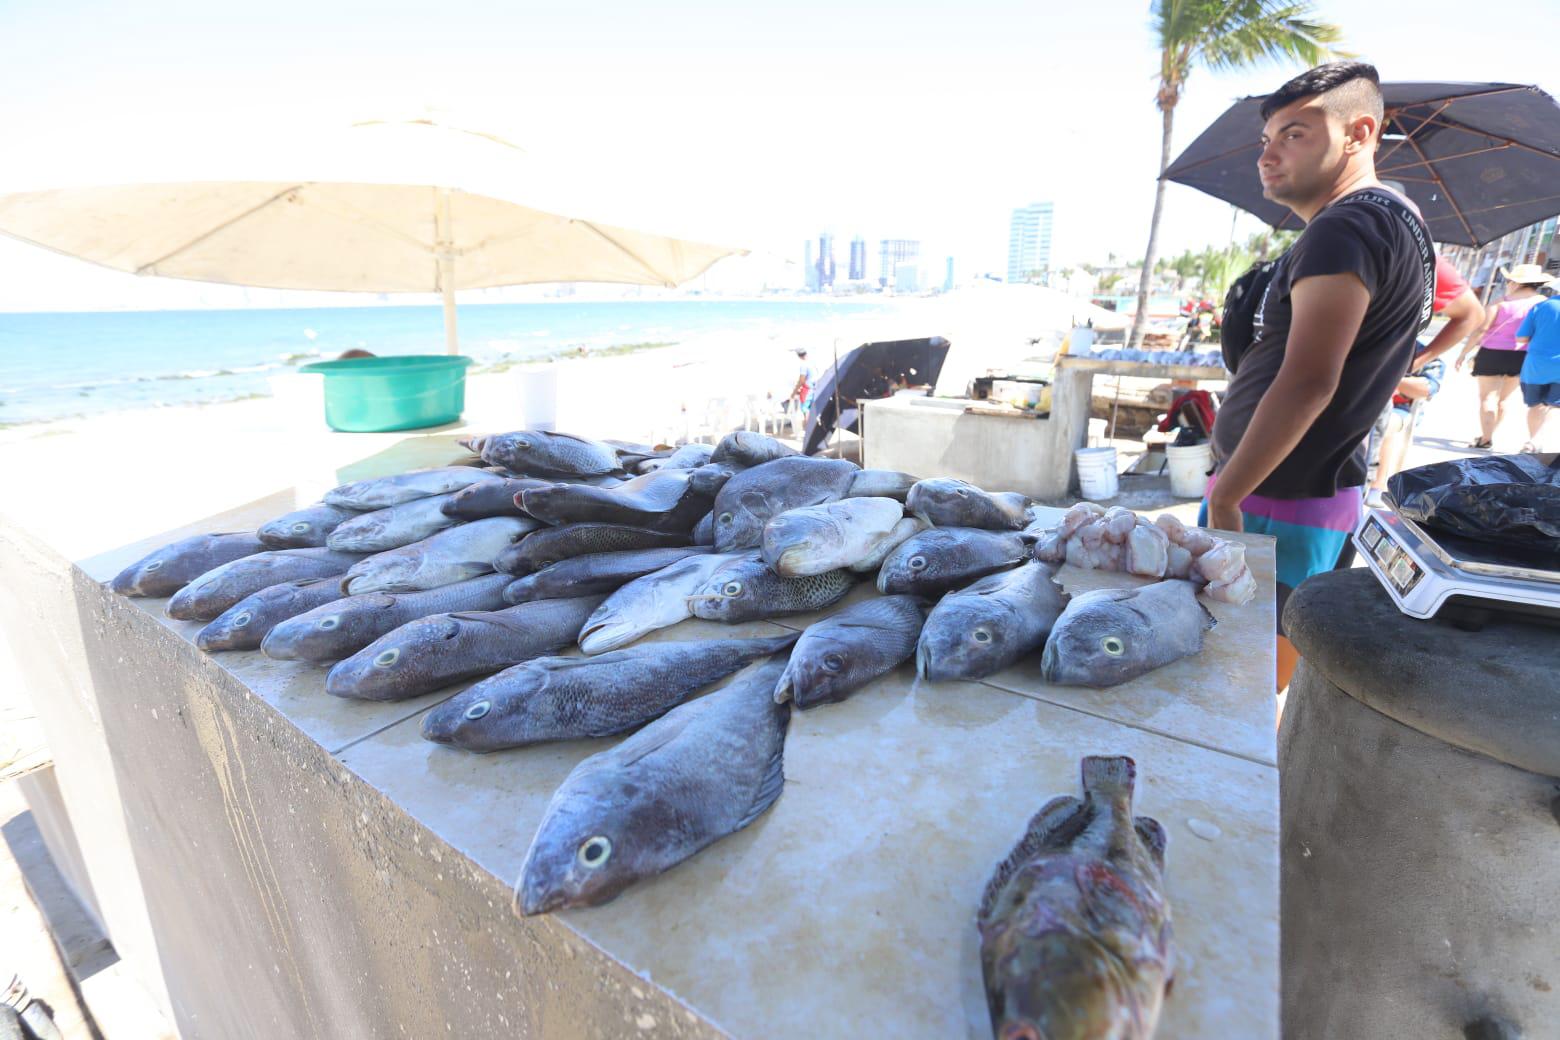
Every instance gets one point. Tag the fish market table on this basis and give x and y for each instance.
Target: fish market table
(310, 866)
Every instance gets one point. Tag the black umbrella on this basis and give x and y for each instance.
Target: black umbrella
(863, 373)
(1479, 159)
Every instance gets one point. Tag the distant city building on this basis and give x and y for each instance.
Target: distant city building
(1029, 241)
(858, 258)
(809, 268)
(948, 278)
(907, 276)
(825, 266)
(891, 253)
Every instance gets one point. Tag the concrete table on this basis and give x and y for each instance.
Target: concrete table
(1021, 451)
(311, 867)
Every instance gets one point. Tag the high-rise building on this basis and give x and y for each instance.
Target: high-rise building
(858, 259)
(891, 253)
(1029, 242)
(825, 261)
(809, 268)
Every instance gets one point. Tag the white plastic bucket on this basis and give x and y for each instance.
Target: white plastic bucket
(538, 397)
(1189, 468)
(1096, 473)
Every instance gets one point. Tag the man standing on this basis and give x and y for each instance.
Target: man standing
(1540, 336)
(1333, 333)
(801, 393)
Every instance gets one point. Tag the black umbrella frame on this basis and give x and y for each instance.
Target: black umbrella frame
(917, 361)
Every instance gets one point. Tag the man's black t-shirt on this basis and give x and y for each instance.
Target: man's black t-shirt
(1372, 235)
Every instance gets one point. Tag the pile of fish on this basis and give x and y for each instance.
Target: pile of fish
(539, 566)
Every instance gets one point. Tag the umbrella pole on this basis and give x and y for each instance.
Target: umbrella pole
(447, 272)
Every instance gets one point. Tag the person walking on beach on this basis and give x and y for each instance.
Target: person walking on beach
(801, 393)
(1498, 362)
(1539, 334)
(1332, 335)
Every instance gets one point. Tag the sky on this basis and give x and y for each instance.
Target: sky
(769, 123)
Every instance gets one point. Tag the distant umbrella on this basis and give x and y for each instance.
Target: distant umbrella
(916, 361)
(1479, 159)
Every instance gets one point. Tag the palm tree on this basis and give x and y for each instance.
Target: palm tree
(1222, 35)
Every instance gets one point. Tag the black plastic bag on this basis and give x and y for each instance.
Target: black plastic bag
(1509, 500)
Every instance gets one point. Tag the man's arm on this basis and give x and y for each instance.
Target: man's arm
(1464, 315)
(1326, 314)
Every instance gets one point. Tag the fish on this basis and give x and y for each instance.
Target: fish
(704, 530)
(440, 559)
(686, 456)
(652, 602)
(664, 501)
(392, 526)
(944, 558)
(943, 502)
(709, 479)
(752, 498)
(305, 528)
(341, 628)
(166, 570)
(480, 501)
(978, 631)
(746, 448)
(1110, 636)
(596, 572)
(246, 623)
(815, 539)
(1076, 941)
(748, 590)
(881, 483)
(549, 546)
(903, 531)
(842, 653)
(434, 651)
(221, 587)
(540, 453)
(383, 492)
(572, 698)
(713, 765)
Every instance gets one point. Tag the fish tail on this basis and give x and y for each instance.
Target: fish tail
(1109, 778)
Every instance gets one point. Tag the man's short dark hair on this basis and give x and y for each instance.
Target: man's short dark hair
(1351, 88)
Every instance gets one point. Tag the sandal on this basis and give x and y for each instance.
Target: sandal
(1481, 443)
(1529, 448)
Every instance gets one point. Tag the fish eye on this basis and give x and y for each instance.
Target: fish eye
(731, 588)
(300, 527)
(918, 563)
(1113, 646)
(833, 662)
(982, 636)
(387, 658)
(594, 852)
(243, 619)
(725, 518)
(328, 623)
(521, 442)
(962, 493)
(477, 710)
(154, 565)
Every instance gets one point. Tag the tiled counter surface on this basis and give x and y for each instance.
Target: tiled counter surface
(848, 909)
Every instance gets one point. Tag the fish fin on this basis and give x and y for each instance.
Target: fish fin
(1209, 621)
(1057, 823)
(1153, 837)
(773, 781)
(881, 483)
(1108, 777)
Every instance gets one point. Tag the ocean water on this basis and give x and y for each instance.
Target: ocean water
(55, 366)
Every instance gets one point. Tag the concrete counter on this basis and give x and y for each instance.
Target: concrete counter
(311, 867)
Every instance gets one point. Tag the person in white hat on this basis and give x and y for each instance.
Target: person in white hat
(1540, 335)
(1498, 361)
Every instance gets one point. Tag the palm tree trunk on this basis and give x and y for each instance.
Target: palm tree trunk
(1140, 321)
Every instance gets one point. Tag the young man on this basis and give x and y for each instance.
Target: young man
(1540, 337)
(1333, 333)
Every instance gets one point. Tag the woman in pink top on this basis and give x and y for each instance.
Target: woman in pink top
(1499, 358)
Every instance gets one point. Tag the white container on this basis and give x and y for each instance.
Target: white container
(1097, 430)
(1189, 468)
(538, 397)
(1096, 473)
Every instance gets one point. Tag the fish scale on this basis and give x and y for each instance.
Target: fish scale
(748, 590)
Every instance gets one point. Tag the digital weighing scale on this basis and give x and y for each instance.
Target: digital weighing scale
(1436, 574)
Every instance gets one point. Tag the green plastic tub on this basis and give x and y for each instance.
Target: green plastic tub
(379, 394)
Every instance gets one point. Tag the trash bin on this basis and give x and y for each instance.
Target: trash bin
(1420, 822)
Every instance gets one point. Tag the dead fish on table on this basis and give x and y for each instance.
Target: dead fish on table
(434, 651)
(341, 628)
(246, 623)
(746, 448)
(943, 502)
(815, 539)
(542, 453)
(462, 552)
(946, 558)
(687, 456)
(842, 653)
(572, 698)
(547, 547)
(480, 501)
(714, 765)
(383, 492)
(704, 530)
(980, 630)
(392, 526)
(752, 498)
(664, 501)
(218, 589)
(596, 573)
(655, 601)
(748, 590)
(166, 570)
(305, 528)
(1075, 935)
(1109, 636)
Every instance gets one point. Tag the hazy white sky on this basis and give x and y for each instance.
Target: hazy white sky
(775, 121)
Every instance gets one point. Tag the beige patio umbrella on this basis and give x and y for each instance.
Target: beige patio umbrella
(337, 232)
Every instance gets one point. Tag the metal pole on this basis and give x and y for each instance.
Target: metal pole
(836, 389)
(446, 253)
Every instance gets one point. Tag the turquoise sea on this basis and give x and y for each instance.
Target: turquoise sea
(55, 366)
